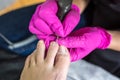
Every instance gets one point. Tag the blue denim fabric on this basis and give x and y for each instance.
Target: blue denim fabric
(82, 22)
(14, 26)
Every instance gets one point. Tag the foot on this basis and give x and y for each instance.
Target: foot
(52, 67)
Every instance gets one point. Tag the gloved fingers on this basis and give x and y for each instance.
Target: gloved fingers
(96, 35)
(33, 29)
(47, 12)
(71, 19)
(50, 6)
(74, 41)
(78, 53)
(68, 24)
(42, 26)
(83, 38)
(54, 23)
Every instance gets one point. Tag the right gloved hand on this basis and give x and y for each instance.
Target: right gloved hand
(83, 41)
(46, 25)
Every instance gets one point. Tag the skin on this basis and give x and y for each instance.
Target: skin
(82, 4)
(56, 63)
(115, 42)
(53, 66)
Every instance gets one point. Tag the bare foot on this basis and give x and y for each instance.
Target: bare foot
(53, 67)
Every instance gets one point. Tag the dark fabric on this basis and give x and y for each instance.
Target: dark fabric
(11, 65)
(14, 26)
(107, 59)
(107, 14)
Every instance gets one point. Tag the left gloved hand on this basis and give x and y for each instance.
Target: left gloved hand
(85, 40)
(46, 25)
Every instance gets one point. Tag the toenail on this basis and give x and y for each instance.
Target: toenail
(41, 41)
(62, 50)
(53, 44)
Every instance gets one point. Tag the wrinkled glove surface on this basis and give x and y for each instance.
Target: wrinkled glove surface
(81, 42)
(46, 26)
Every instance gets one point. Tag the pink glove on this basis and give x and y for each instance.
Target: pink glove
(85, 40)
(46, 25)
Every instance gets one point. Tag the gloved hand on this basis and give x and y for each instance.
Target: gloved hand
(85, 40)
(46, 25)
